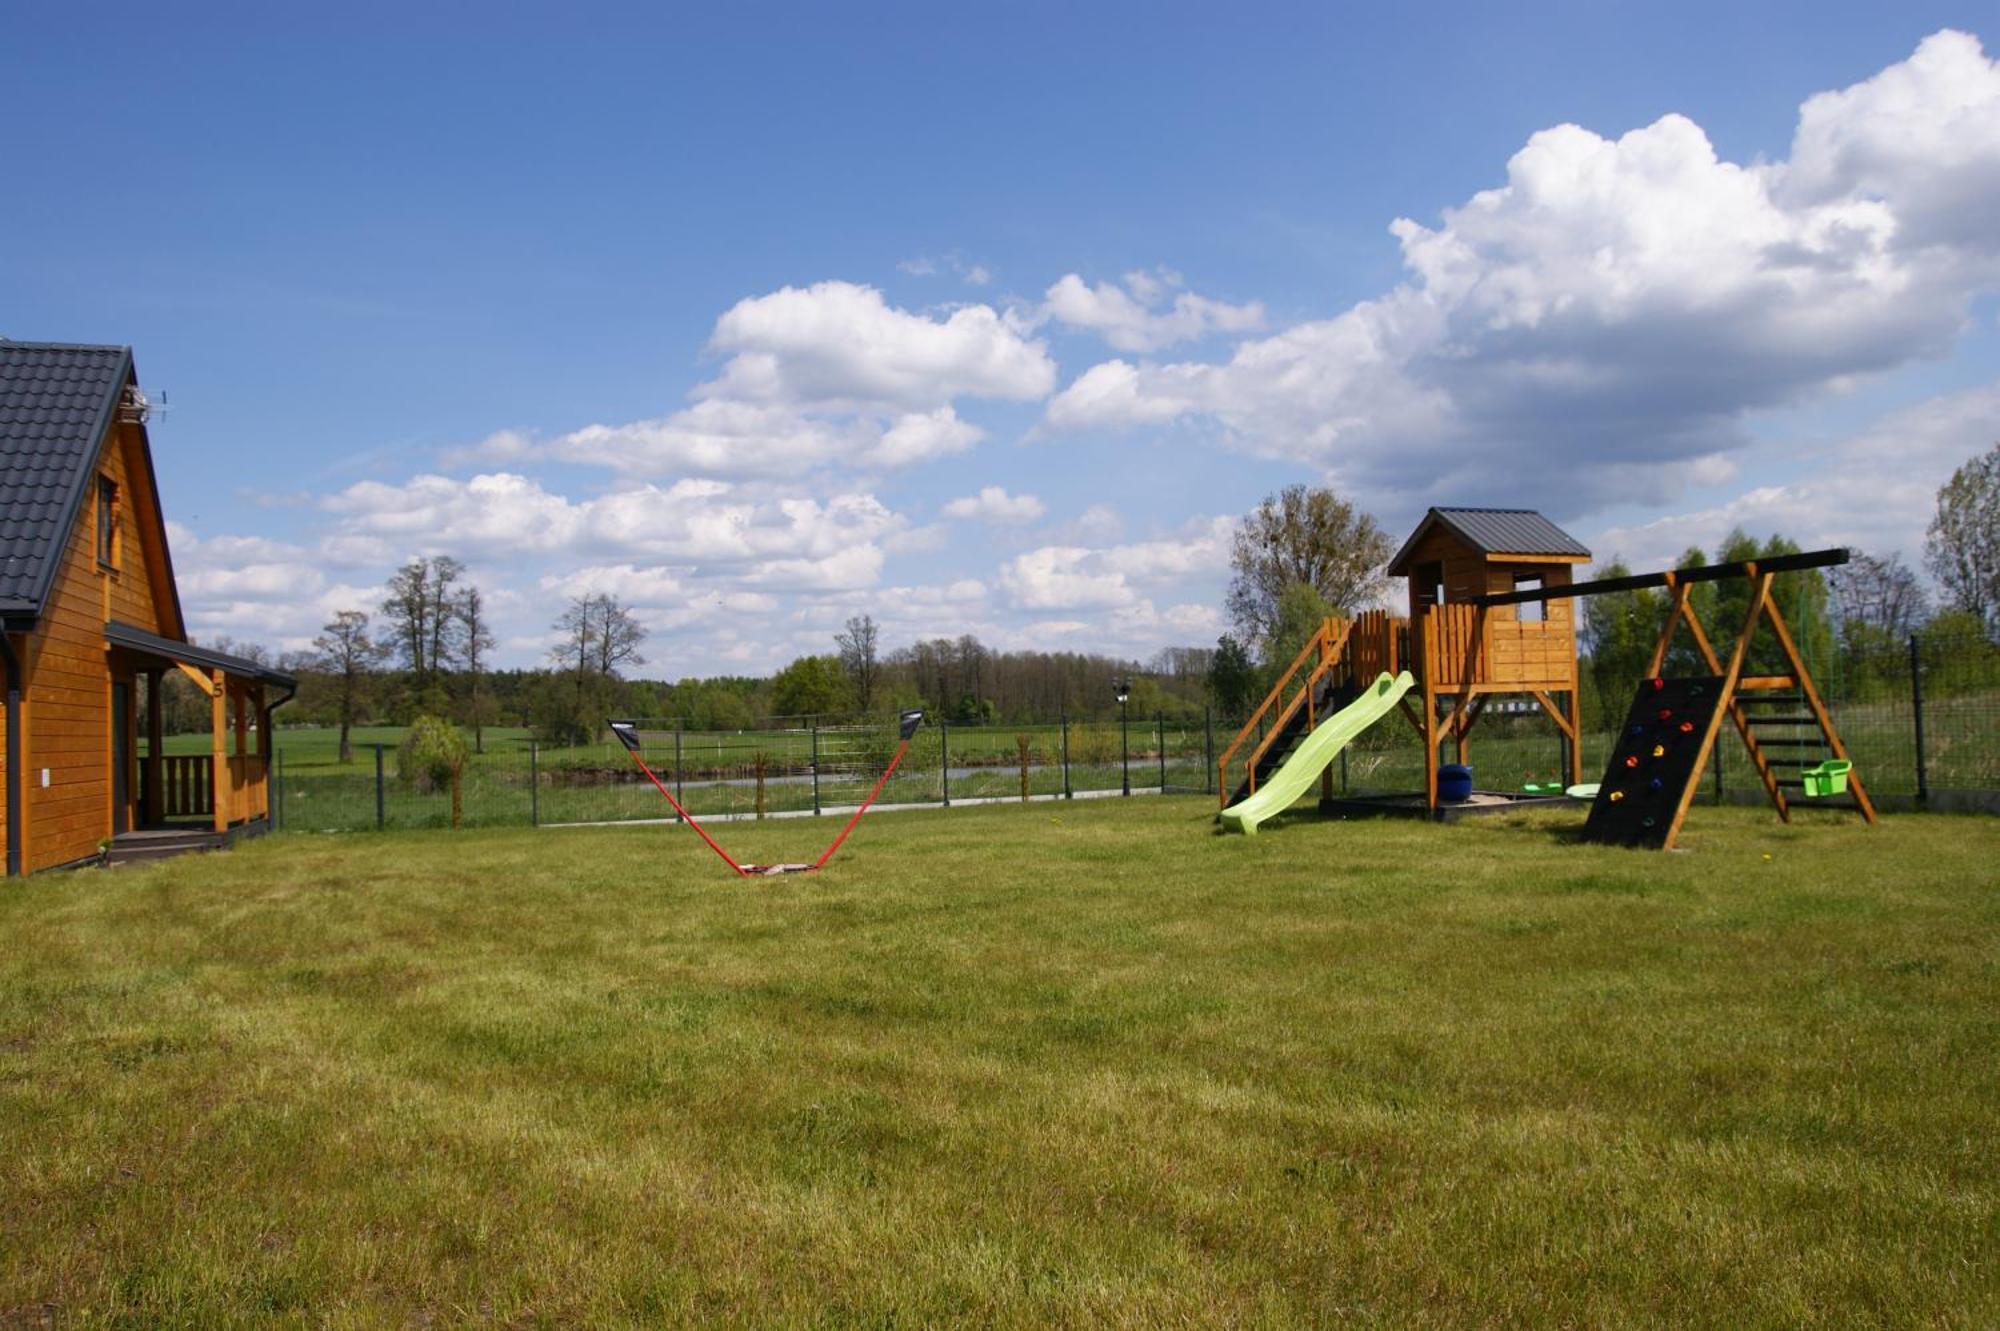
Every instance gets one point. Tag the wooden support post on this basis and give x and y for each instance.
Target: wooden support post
(1824, 718)
(1760, 594)
(218, 779)
(156, 730)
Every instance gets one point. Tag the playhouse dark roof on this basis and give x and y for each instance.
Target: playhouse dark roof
(1496, 531)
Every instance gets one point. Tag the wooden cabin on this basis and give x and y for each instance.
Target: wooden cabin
(88, 610)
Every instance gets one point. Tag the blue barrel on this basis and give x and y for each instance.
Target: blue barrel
(1454, 783)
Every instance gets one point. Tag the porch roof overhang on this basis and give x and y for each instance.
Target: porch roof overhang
(135, 639)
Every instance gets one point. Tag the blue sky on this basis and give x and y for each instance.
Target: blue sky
(992, 320)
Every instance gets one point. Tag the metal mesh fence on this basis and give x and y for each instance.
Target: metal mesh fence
(783, 768)
(1918, 717)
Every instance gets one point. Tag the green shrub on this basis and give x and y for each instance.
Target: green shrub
(432, 758)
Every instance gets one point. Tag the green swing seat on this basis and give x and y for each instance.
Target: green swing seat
(1828, 778)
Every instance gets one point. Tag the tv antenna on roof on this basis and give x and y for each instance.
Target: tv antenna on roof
(138, 409)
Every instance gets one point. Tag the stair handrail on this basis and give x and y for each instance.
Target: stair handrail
(1326, 643)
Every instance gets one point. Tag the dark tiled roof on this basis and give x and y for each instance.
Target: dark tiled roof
(55, 404)
(1508, 531)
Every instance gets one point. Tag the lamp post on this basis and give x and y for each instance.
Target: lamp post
(1124, 688)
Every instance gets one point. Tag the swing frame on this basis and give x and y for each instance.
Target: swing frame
(906, 726)
(1763, 610)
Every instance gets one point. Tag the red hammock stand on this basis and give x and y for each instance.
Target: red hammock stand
(628, 735)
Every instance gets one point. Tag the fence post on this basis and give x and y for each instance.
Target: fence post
(815, 737)
(1208, 750)
(1343, 769)
(278, 803)
(944, 761)
(1069, 792)
(381, 816)
(1160, 727)
(679, 793)
(1718, 768)
(1917, 713)
(534, 785)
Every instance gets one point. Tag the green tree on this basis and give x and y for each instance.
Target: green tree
(811, 686)
(1297, 615)
(1307, 536)
(1962, 547)
(1232, 678)
(1800, 597)
(1619, 630)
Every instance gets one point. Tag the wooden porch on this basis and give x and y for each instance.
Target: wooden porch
(223, 790)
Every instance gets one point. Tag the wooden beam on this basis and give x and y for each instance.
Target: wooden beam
(200, 678)
(1749, 568)
(218, 756)
(1555, 714)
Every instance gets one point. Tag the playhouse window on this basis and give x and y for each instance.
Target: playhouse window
(107, 522)
(1530, 612)
(1428, 580)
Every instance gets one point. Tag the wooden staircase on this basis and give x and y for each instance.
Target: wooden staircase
(1313, 687)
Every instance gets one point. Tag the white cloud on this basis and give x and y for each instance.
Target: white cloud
(707, 526)
(500, 447)
(993, 504)
(972, 274)
(1608, 315)
(1135, 316)
(1875, 491)
(840, 346)
(824, 377)
(1076, 577)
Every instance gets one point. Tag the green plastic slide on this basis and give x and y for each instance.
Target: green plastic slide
(1285, 785)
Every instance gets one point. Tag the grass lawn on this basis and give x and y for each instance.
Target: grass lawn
(1087, 1065)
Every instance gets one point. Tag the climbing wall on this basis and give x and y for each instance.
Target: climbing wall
(1657, 756)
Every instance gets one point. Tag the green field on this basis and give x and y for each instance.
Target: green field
(1083, 1065)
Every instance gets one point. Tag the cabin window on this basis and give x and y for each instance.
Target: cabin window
(107, 522)
(1427, 580)
(1530, 612)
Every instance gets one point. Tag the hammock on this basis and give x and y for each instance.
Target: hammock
(628, 735)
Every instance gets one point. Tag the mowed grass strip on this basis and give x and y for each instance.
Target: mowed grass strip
(1086, 1065)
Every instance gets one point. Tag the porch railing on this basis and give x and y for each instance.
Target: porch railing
(187, 785)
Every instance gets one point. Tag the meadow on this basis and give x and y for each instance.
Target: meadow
(1083, 1064)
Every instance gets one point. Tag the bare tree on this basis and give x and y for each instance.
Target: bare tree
(407, 608)
(617, 635)
(344, 650)
(444, 614)
(572, 651)
(1877, 598)
(1962, 547)
(423, 614)
(857, 657)
(475, 638)
(1309, 536)
(598, 636)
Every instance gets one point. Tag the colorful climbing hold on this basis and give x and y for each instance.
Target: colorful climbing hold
(1659, 750)
(1687, 727)
(1632, 761)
